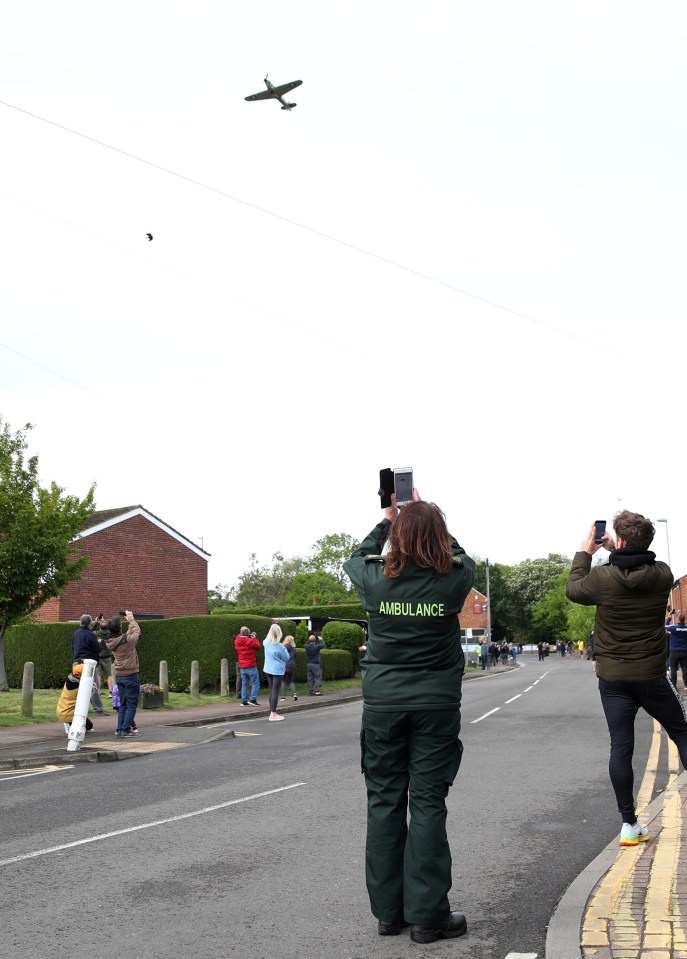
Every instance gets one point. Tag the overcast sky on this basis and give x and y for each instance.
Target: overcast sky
(321, 297)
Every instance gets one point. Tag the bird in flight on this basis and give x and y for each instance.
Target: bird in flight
(150, 236)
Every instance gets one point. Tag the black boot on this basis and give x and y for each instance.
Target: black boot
(451, 928)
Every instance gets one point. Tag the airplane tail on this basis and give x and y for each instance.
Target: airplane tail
(289, 106)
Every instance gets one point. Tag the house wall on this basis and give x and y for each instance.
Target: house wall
(133, 565)
(471, 618)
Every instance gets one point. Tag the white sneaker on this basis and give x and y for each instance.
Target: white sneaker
(283, 699)
(276, 718)
(632, 835)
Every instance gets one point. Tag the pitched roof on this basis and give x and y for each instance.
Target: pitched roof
(104, 518)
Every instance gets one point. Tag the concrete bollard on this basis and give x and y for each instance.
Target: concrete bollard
(27, 691)
(77, 729)
(195, 679)
(164, 681)
(224, 678)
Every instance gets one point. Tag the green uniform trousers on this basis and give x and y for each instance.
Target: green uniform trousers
(410, 759)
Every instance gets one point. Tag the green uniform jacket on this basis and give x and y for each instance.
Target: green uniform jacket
(630, 643)
(414, 658)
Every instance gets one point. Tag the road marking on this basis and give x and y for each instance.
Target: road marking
(247, 734)
(146, 825)
(39, 772)
(521, 955)
(473, 721)
(527, 690)
(512, 699)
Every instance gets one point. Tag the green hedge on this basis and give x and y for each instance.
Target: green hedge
(352, 610)
(178, 641)
(347, 636)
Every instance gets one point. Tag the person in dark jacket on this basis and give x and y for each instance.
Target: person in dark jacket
(677, 638)
(289, 678)
(313, 648)
(630, 593)
(411, 676)
(84, 642)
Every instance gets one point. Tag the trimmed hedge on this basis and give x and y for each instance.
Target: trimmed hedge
(352, 610)
(347, 636)
(179, 641)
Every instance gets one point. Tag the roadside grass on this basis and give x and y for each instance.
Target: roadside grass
(45, 701)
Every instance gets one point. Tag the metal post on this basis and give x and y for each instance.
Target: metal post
(77, 729)
(224, 677)
(667, 540)
(195, 679)
(164, 681)
(488, 604)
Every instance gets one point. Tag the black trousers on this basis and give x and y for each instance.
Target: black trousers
(410, 759)
(621, 702)
(678, 657)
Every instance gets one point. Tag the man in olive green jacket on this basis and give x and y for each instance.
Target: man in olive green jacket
(630, 593)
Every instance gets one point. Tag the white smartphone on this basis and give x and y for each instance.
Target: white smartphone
(403, 485)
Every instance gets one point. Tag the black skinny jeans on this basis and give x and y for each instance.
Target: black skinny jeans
(678, 657)
(621, 702)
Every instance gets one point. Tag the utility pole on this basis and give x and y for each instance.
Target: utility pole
(488, 603)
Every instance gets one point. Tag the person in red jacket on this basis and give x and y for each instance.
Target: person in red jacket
(246, 643)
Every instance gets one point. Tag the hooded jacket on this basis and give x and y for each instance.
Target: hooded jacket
(414, 659)
(630, 643)
(245, 650)
(124, 649)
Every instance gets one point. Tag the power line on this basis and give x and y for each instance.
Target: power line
(309, 229)
(48, 368)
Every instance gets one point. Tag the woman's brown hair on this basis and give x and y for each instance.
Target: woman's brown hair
(418, 534)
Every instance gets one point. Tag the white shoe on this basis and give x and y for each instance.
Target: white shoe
(283, 699)
(66, 728)
(276, 718)
(632, 835)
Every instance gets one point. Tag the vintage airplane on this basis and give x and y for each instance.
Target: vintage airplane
(276, 93)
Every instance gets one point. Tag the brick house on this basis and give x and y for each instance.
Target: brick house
(473, 619)
(137, 562)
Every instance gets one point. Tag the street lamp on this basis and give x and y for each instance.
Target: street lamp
(667, 540)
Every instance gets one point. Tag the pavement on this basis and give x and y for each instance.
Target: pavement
(628, 903)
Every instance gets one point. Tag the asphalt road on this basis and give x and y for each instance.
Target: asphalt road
(254, 846)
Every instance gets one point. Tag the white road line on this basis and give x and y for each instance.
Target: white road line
(513, 699)
(145, 825)
(41, 772)
(521, 955)
(472, 723)
(527, 690)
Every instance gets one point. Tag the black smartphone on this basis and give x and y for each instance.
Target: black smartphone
(403, 485)
(599, 530)
(122, 612)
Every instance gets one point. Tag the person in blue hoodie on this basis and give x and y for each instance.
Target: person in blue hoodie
(276, 658)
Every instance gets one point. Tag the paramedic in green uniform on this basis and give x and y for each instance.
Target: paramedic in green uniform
(412, 673)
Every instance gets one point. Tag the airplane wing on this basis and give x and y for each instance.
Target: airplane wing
(285, 87)
(263, 95)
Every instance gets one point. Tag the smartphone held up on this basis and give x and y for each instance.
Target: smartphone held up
(599, 530)
(398, 481)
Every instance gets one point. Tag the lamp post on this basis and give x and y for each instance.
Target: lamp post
(667, 540)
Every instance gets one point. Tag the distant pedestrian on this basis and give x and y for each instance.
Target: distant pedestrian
(484, 654)
(514, 654)
(677, 636)
(123, 646)
(289, 677)
(540, 651)
(313, 648)
(493, 653)
(246, 645)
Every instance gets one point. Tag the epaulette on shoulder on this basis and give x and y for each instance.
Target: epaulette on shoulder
(374, 558)
(457, 560)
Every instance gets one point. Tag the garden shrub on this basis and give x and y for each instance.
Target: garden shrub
(348, 636)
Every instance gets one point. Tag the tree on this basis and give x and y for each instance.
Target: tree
(37, 527)
(504, 616)
(323, 586)
(265, 586)
(550, 621)
(529, 581)
(331, 552)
